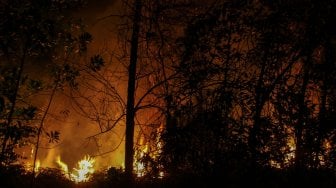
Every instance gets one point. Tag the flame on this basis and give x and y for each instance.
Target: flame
(85, 169)
(140, 169)
(288, 156)
(327, 145)
(292, 147)
(63, 166)
(161, 174)
(32, 152)
(80, 174)
(139, 166)
(37, 165)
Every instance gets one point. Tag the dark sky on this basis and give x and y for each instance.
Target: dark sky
(96, 9)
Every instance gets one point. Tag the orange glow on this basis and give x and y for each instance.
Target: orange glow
(146, 150)
(327, 145)
(37, 165)
(292, 147)
(288, 156)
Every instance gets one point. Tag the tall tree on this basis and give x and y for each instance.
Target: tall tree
(130, 110)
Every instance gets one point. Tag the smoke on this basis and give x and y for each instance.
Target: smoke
(75, 139)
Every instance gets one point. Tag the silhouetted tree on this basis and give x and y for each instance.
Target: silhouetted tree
(34, 34)
(28, 29)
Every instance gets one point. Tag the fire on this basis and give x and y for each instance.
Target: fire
(64, 167)
(85, 169)
(145, 150)
(37, 165)
(82, 172)
(291, 155)
(139, 166)
(140, 169)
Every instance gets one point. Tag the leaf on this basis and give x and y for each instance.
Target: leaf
(54, 136)
(85, 37)
(96, 62)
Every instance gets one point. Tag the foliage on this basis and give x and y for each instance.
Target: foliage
(53, 136)
(251, 96)
(247, 90)
(31, 33)
(96, 62)
(16, 176)
(49, 177)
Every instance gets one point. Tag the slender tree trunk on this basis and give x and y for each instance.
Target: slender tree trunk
(310, 44)
(130, 110)
(299, 150)
(259, 104)
(321, 121)
(39, 131)
(327, 67)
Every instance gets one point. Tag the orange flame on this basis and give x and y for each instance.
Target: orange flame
(37, 165)
(64, 167)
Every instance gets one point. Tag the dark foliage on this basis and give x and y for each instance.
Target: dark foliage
(253, 100)
(15, 176)
(247, 106)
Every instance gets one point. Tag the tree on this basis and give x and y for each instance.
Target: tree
(152, 55)
(211, 77)
(130, 111)
(32, 33)
(273, 103)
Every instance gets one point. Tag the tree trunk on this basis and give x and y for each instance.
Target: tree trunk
(299, 150)
(326, 72)
(259, 104)
(39, 132)
(130, 110)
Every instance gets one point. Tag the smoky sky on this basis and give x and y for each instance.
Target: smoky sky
(94, 10)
